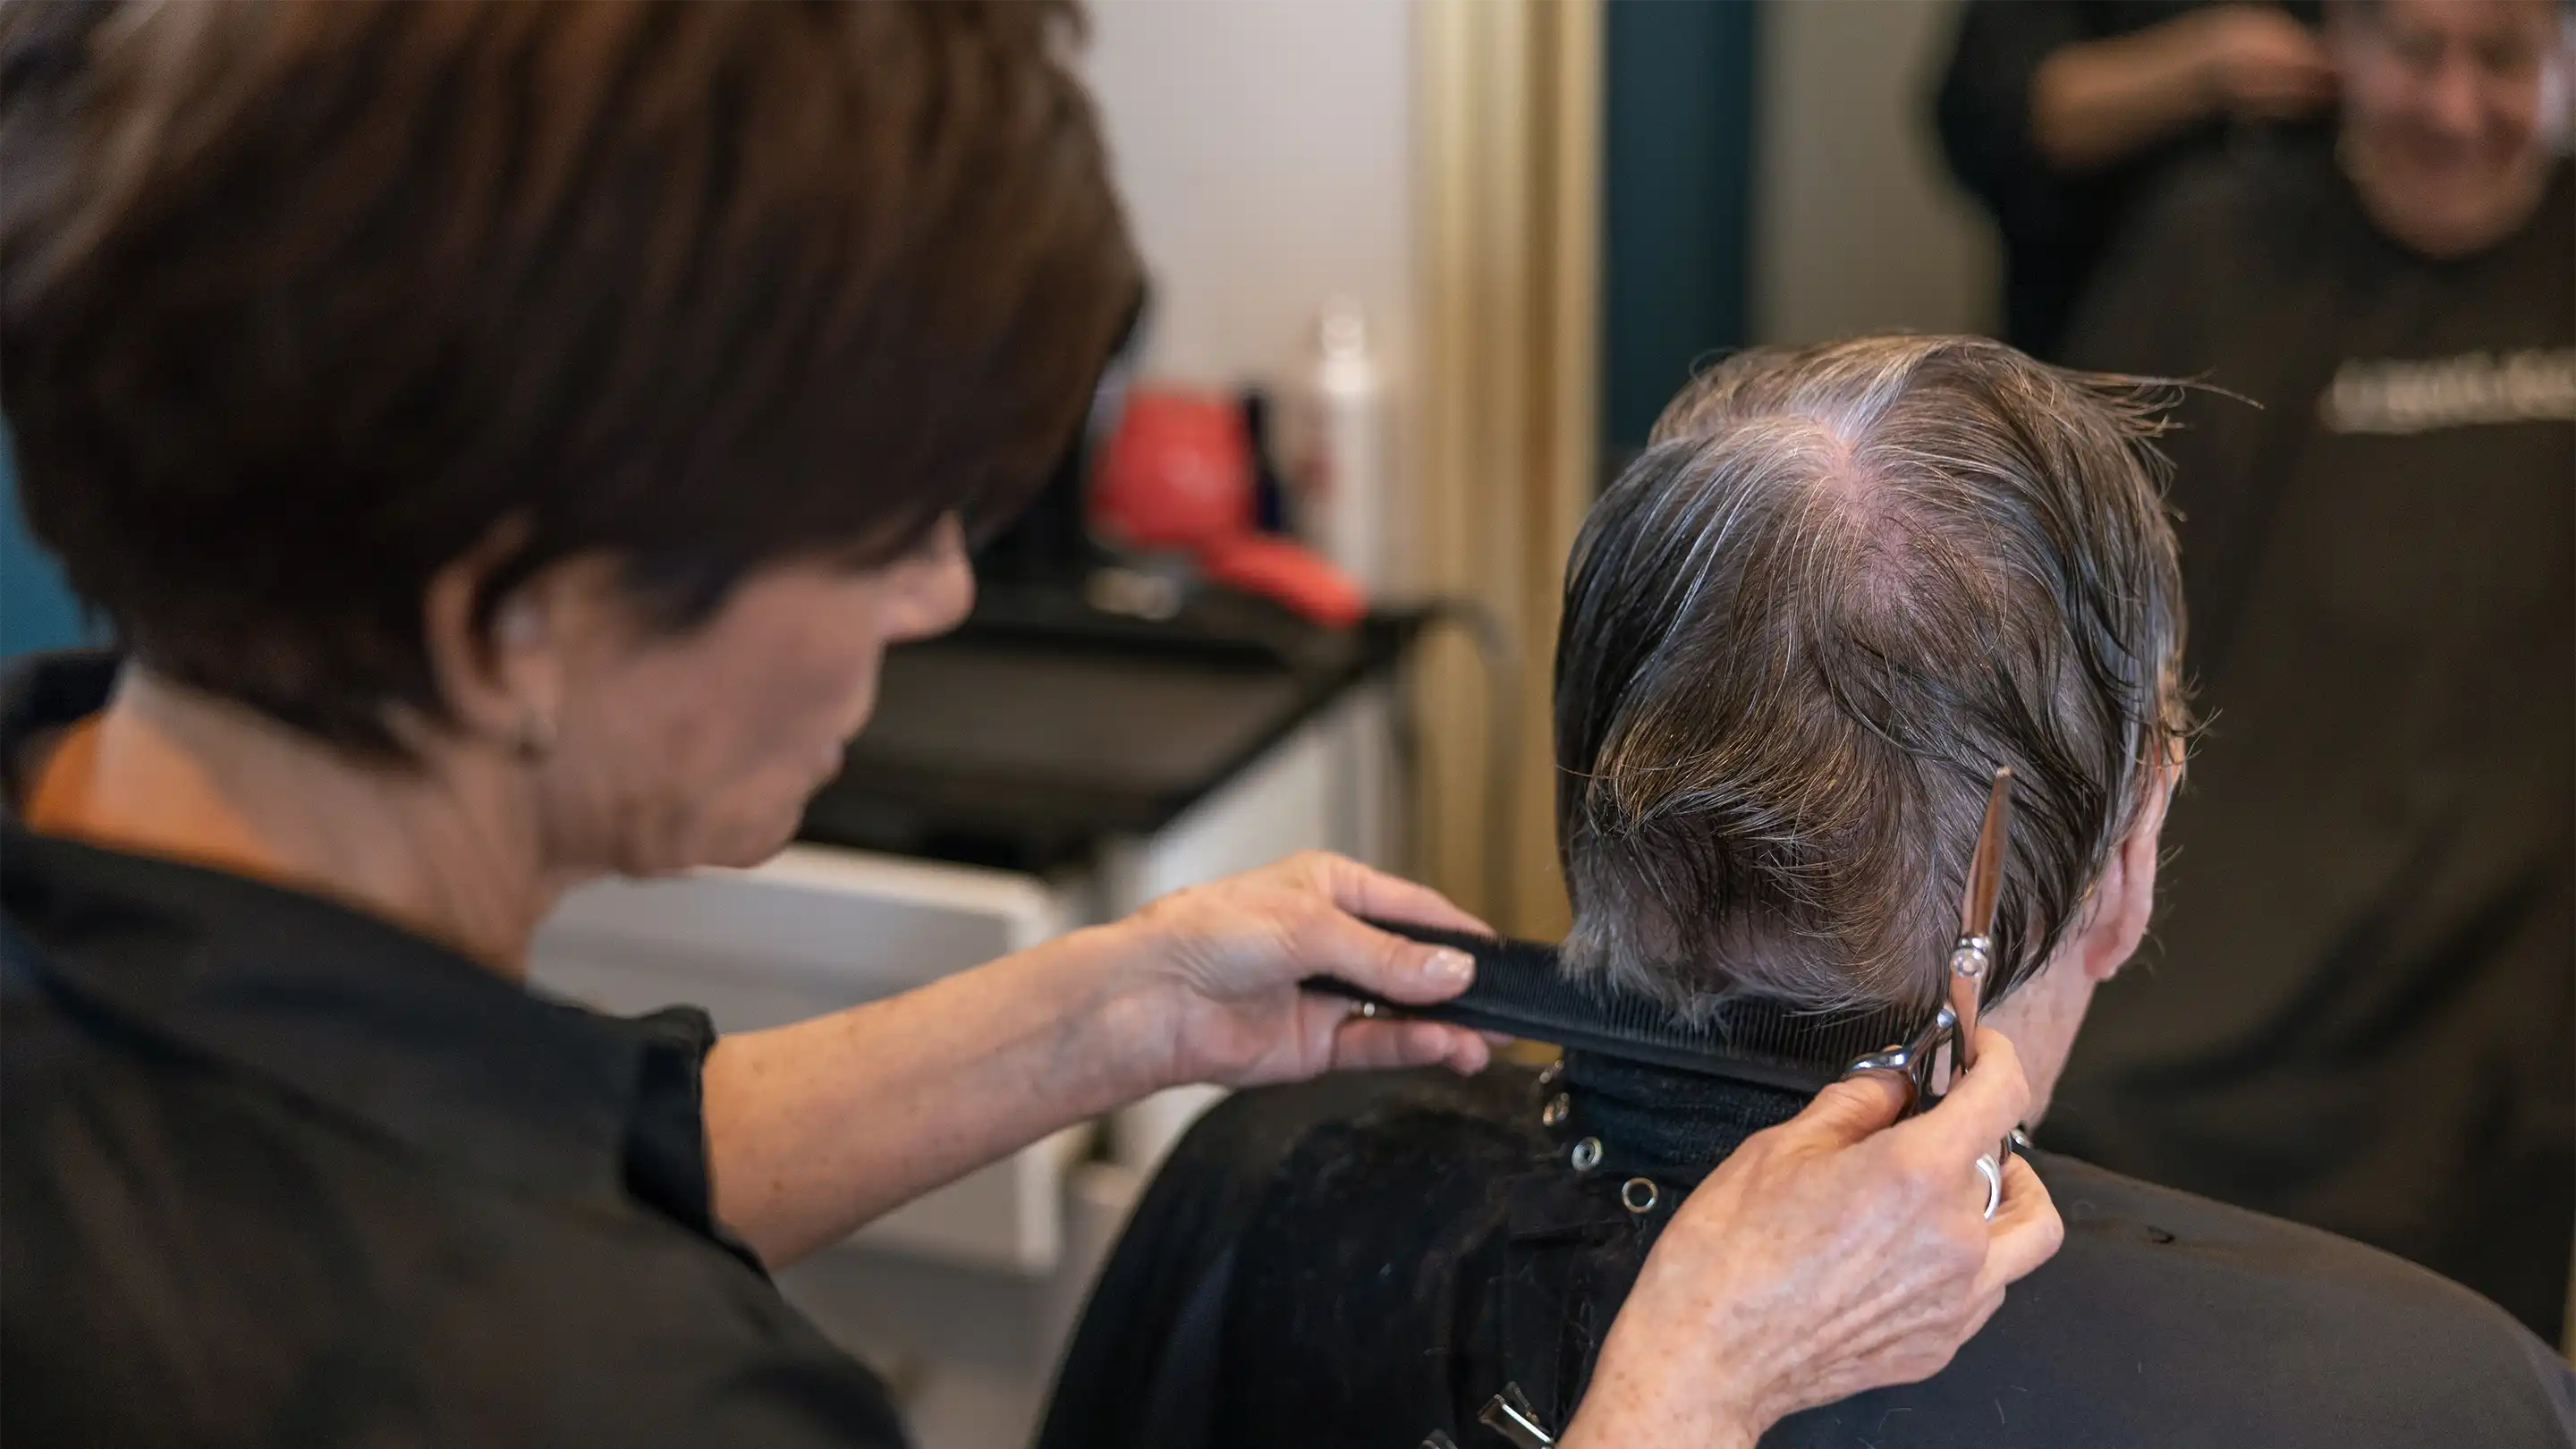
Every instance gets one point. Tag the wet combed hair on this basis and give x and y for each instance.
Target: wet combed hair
(301, 301)
(1842, 585)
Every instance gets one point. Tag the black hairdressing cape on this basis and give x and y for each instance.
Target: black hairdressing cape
(2358, 1007)
(1359, 1263)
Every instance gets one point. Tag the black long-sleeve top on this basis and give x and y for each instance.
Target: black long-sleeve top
(276, 1173)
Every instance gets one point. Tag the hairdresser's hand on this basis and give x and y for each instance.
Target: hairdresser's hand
(1826, 1256)
(1210, 990)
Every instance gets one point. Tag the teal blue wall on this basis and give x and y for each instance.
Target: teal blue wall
(36, 610)
(1678, 122)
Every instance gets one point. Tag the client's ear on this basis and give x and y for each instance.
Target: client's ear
(2126, 894)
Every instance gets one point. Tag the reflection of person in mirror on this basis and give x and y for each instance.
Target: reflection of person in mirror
(2360, 1012)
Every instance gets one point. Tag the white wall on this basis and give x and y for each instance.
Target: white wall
(1265, 148)
(1857, 226)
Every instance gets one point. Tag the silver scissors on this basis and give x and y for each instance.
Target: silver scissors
(1972, 957)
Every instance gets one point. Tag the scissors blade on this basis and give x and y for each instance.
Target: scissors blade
(1986, 867)
(1974, 952)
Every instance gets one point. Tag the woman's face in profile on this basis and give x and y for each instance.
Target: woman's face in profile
(702, 747)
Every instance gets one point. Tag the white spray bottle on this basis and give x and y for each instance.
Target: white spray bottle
(1336, 462)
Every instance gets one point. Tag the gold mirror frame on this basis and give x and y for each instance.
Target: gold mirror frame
(1508, 134)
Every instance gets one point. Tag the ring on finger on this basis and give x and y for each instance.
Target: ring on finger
(1993, 1172)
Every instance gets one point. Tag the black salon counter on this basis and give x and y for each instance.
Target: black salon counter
(1029, 738)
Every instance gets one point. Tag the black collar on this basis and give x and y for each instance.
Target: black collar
(365, 1020)
(1660, 1122)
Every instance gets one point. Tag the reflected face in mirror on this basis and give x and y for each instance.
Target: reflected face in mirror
(701, 747)
(2448, 129)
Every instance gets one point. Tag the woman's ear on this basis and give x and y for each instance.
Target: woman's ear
(504, 676)
(930, 590)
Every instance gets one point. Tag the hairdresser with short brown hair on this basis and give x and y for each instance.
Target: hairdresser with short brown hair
(504, 439)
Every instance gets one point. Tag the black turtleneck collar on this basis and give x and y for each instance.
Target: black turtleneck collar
(1659, 1122)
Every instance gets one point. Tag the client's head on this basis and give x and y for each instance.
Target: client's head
(1839, 588)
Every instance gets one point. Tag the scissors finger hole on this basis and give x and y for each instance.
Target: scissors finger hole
(1993, 1172)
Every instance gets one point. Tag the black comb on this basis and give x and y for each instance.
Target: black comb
(1521, 990)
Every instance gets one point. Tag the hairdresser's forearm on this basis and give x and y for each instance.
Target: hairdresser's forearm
(2095, 102)
(816, 1128)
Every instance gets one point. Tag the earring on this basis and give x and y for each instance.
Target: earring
(534, 739)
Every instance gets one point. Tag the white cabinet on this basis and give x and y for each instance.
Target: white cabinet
(811, 932)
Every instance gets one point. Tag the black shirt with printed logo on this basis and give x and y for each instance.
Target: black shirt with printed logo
(274, 1172)
(2358, 1007)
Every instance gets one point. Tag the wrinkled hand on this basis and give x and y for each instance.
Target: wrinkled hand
(2258, 64)
(1825, 1257)
(1214, 992)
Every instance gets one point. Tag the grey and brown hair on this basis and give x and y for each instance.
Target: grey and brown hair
(1841, 585)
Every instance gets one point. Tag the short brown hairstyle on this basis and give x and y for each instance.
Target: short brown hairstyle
(1839, 588)
(301, 301)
